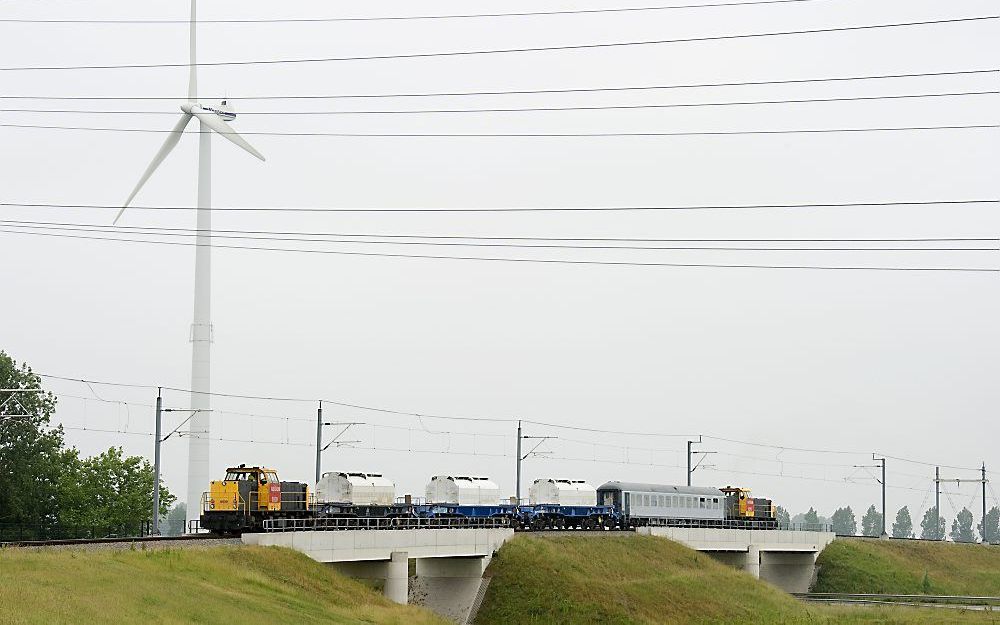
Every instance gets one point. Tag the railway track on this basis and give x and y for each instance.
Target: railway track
(955, 602)
(64, 542)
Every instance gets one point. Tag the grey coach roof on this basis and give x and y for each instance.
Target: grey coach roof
(661, 488)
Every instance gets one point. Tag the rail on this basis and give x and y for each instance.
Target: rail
(943, 599)
(325, 524)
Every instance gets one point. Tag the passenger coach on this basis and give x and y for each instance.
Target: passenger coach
(660, 504)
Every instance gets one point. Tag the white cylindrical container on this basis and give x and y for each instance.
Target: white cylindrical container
(462, 490)
(562, 492)
(360, 489)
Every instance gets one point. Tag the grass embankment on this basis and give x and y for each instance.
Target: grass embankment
(638, 579)
(226, 585)
(908, 567)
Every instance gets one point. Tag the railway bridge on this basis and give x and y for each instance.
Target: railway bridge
(449, 560)
(785, 558)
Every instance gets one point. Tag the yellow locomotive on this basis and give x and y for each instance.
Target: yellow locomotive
(249, 495)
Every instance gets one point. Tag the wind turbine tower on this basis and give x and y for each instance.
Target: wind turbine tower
(210, 120)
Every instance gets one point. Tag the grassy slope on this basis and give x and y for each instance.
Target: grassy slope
(637, 579)
(245, 585)
(878, 566)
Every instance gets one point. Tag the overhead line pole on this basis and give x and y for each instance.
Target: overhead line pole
(982, 480)
(690, 452)
(984, 505)
(517, 489)
(319, 441)
(937, 503)
(156, 461)
(882, 462)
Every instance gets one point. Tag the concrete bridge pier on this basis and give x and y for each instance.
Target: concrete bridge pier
(394, 573)
(752, 565)
(794, 571)
(449, 586)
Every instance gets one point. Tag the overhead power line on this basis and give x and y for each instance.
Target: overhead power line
(455, 53)
(513, 209)
(384, 18)
(534, 109)
(694, 85)
(316, 238)
(524, 260)
(124, 228)
(456, 135)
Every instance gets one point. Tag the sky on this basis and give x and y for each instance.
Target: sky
(816, 369)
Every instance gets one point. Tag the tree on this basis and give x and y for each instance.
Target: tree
(784, 520)
(871, 523)
(31, 453)
(174, 522)
(961, 527)
(992, 532)
(844, 522)
(930, 527)
(43, 483)
(810, 519)
(110, 490)
(903, 527)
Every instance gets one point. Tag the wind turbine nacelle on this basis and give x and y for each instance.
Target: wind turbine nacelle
(226, 111)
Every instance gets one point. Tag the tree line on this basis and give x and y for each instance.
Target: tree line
(49, 489)
(964, 528)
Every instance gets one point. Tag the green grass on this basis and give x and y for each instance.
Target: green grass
(638, 579)
(225, 585)
(909, 567)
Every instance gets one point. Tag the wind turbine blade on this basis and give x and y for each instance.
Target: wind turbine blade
(168, 145)
(220, 126)
(192, 65)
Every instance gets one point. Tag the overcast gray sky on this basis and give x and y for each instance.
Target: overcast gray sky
(903, 363)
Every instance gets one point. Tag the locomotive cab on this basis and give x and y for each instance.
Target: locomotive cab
(247, 496)
(248, 488)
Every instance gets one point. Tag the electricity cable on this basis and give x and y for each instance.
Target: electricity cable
(523, 238)
(533, 109)
(401, 17)
(105, 229)
(694, 85)
(462, 53)
(425, 135)
(515, 209)
(552, 261)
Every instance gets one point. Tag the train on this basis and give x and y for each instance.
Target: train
(253, 499)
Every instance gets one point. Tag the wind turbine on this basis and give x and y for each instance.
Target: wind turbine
(210, 120)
